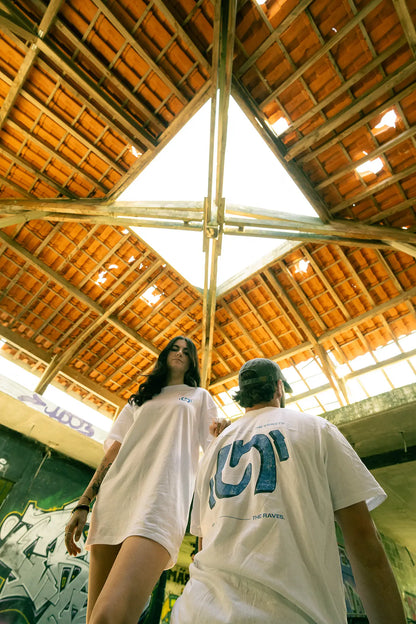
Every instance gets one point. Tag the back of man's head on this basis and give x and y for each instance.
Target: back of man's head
(257, 382)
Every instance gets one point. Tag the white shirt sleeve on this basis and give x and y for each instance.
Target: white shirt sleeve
(349, 479)
(120, 426)
(209, 413)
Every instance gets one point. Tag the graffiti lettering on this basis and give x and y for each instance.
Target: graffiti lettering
(39, 576)
(63, 416)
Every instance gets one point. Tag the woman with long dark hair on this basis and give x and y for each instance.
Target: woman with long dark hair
(140, 515)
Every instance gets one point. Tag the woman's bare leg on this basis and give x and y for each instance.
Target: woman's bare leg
(102, 557)
(132, 576)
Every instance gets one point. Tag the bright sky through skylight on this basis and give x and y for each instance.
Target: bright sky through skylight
(253, 177)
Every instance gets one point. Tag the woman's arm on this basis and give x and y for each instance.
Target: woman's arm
(73, 529)
(373, 575)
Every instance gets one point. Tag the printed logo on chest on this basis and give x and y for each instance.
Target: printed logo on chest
(185, 399)
(267, 477)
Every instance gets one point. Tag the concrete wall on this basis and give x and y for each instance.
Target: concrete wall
(39, 582)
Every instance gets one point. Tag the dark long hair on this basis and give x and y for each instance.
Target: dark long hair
(158, 378)
(252, 395)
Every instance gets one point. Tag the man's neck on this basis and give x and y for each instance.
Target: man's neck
(272, 403)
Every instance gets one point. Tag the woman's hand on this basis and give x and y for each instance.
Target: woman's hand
(73, 530)
(218, 426)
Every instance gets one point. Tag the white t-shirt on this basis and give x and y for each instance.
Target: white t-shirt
(265, 497)
(148, 488)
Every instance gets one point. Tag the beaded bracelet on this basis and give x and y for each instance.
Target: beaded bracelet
(82, 507)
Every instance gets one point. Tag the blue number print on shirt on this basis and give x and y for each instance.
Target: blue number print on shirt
(266, 480)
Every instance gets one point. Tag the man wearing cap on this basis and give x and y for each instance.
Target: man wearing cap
(267, 492)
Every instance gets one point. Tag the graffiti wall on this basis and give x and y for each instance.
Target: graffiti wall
(39, 582)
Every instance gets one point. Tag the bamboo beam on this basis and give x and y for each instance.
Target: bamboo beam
(349, 111)
(30, 57)
(409, 249)
(375, 188)
(388, 212)
(305, 237)
(275, 35)
(183, 34)
(140, 50)
(279, 252)
(322, 51)
(36, 173)
(347, 84)
(336, 140)
(340, 227)
(68, 128)
(406, 21)
(224, 33)
(126, 121)
(382, 149)
(59, 360)
(33, 350)
(76, 292)
(103, 207)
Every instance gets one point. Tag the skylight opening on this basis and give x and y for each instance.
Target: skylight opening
(280, 126)
(362, 361)
(328, 399)
(385, 352)
(408, 342)
(375, 382)
(135, 151)
(400, 374)
(151, 296)
(302, 266)
(356, 390)
(371, 166)
(253, 177)
(101, 279)
(389, 120)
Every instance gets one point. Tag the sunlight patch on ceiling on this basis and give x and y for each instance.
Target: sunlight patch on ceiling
(253, 177)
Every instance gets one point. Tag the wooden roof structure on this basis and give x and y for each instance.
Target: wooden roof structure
(92, 91)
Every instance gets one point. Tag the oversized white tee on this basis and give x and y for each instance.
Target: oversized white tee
(148, 489)
(265, 497)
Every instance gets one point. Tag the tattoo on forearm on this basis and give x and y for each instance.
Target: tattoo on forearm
(100, 478)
